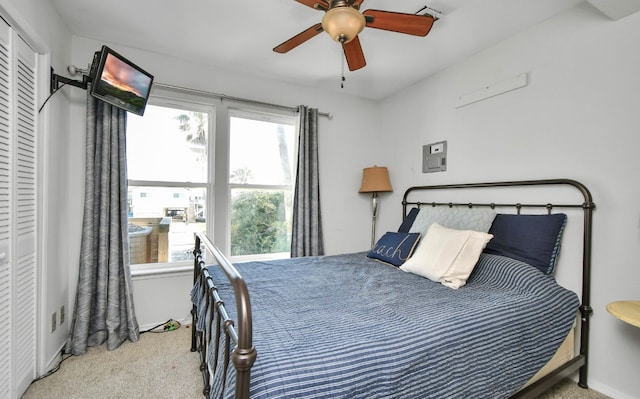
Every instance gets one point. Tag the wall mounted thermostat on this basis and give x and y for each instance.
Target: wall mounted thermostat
(434, 157)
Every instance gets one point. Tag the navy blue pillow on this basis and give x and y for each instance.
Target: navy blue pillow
(533, 239)
(394, 248)
(408, 220)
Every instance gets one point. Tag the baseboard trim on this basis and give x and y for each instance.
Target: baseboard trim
(53, 362)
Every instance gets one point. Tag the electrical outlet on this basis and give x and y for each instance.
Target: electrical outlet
(54, 323)
(61, 314)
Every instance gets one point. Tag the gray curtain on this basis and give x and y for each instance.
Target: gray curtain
(104, 310)
(306, 239)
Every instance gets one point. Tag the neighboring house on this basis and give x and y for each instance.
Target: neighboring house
(579, 117)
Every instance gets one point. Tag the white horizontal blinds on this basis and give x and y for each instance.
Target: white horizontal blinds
(25, 220)
(6, 291)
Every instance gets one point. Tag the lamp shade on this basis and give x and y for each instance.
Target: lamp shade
(375, 179)
(343, 23)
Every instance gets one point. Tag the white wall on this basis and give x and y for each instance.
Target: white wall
(578, 118)
(160, 297)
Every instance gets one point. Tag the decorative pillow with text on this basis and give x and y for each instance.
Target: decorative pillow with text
(394, 248)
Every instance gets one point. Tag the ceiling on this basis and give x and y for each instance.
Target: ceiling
(239, 35)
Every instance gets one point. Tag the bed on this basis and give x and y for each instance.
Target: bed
(360, 326)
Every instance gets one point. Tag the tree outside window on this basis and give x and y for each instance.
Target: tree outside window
(262, 151)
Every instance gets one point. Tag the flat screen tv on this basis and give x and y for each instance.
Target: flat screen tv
(119, 82)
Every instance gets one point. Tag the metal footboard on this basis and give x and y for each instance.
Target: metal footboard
(220, 331)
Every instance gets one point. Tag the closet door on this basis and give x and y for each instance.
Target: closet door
(25, 167)
(6, 173)
(18, 205)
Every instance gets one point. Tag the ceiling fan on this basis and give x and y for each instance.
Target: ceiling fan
(343, 21)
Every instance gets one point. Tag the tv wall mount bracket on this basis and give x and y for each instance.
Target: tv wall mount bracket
(57, 80)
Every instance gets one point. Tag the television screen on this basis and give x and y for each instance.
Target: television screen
(119, 82)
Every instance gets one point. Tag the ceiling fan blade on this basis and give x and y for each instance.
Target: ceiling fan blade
(412, 24)
(317, 4)
(298, 39)
(354, 55)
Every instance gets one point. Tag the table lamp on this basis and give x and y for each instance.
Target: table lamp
(375, 180)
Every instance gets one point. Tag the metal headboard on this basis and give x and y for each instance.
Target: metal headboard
(581, 361)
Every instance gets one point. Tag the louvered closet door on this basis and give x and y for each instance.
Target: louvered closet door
(18, 166)
(6, 276)
(25, 215)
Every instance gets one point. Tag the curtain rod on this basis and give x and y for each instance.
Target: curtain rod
(238, 99)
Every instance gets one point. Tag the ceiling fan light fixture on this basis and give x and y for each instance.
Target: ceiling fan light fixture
(343, 24)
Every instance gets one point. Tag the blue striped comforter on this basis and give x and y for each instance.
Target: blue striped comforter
(350, 327)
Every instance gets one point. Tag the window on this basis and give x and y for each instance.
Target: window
(174, 180)
(167, 166)
(261, 178)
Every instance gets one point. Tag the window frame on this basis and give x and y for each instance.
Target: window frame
(177, 101)
(260, 115)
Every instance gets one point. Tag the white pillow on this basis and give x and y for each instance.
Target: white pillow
(447, 255)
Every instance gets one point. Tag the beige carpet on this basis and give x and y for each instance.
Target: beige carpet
(569, 389)
(161, 365)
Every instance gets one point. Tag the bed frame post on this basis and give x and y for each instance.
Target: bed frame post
(585, 309)
(196, 272)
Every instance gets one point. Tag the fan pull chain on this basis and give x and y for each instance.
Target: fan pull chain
(343, 78)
